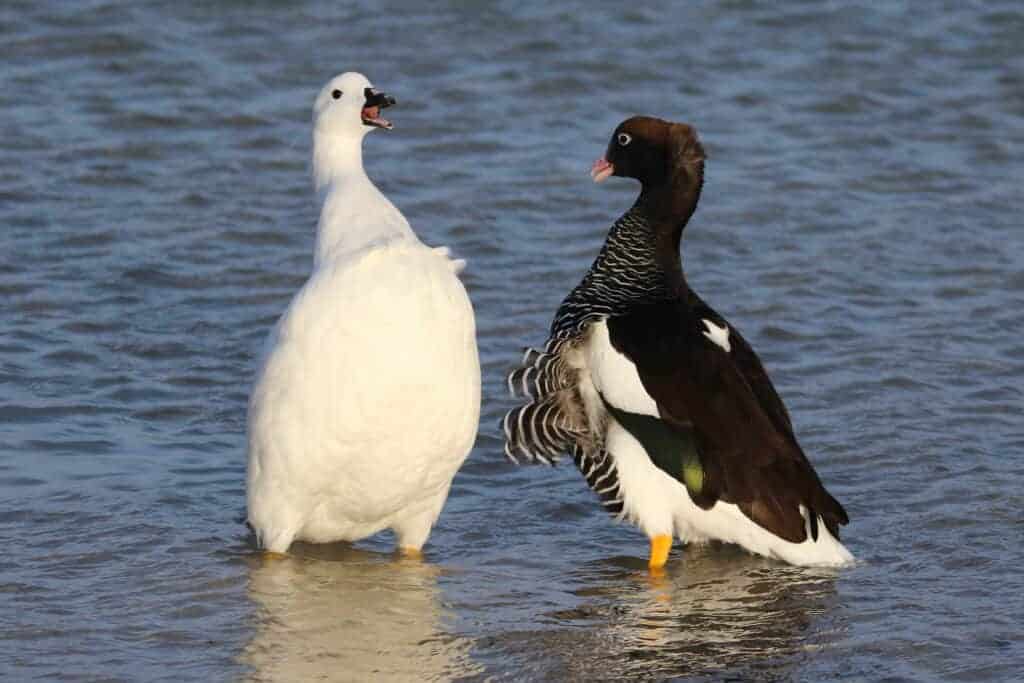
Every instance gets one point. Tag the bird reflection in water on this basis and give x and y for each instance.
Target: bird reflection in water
(715, 608)
(338, 613)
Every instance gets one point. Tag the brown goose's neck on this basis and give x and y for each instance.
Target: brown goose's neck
(668, 206)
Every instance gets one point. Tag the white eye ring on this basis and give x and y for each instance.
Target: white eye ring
(625, 139)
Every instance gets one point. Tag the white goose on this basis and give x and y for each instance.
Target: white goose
(367, 400)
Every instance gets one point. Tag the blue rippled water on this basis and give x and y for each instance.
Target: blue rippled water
(860, 222)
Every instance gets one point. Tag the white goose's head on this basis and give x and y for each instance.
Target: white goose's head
(349, 106)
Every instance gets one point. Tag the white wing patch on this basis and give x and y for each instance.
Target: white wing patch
(614, 375)
(718, 335)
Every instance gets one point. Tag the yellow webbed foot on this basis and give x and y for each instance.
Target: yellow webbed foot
(410, 553)
(271, 555)
(660, 545)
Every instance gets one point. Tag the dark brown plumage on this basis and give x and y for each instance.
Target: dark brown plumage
(679, 379)
(743, 431)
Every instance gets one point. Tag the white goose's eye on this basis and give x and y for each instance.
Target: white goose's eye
(625, 139)
(336, 94)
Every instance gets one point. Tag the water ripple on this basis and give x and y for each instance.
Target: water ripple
(859, 223)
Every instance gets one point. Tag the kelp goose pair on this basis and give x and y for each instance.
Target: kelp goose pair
(664, 406)
(367, 398)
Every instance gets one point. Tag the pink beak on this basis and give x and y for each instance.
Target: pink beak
(601, 170)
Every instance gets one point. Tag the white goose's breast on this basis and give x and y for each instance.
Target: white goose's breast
(614, 375)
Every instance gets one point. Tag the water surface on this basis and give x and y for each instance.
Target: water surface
(860, 224)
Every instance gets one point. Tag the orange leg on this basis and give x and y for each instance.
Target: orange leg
(660, 545)
(271, 555)
(410, 553)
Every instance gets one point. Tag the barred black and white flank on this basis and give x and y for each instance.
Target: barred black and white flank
(556, 419)
(664, 407)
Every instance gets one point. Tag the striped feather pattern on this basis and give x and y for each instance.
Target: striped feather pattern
(539, 431)
(602, 478)
(541, 373)
(554, 420)
(624, 273)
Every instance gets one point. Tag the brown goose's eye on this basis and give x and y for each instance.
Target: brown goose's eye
(625, 138)
(336, 94)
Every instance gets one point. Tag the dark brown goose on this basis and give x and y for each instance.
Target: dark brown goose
(665, 408)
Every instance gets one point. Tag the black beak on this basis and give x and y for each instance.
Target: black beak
(375, 98)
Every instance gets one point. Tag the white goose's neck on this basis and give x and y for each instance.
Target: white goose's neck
(354, 214)
(336, 157)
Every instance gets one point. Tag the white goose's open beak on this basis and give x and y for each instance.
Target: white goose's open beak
(375, 101)
(601, 170)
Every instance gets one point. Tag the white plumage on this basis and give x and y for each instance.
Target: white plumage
(659, 504)
(368, 396)
(614, 376)
(719, 335)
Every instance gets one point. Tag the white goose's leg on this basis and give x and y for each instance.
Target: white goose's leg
(277, 541)
(271, 513)
(414, 528)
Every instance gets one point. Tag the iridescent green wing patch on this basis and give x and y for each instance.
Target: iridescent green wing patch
(693, 472)
(672, 450)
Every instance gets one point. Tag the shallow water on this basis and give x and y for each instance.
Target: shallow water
(860, 224)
